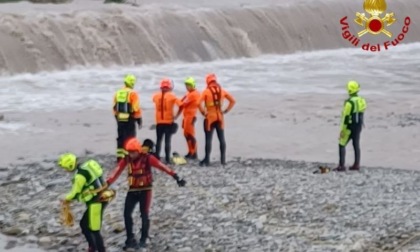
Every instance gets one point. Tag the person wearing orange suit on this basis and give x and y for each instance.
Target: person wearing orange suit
(139, 162)
(213, 97)
(127, 112)
(190, 108)
(165, 101)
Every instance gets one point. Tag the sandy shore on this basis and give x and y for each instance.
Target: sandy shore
(300, 127)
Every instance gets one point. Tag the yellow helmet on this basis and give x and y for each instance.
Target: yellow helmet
(353, 87)
(130, 80)
(67, 161)
(190, 82)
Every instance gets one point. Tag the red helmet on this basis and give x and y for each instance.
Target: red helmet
(211, 78)
(166, 84)
(133, 144)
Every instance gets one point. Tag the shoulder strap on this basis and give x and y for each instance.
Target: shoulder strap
(353, 106)
(216, 93)
(85, 174)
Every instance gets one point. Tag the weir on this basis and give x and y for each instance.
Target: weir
(34, 41)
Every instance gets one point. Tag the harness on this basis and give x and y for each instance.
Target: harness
(162, 106)
(216, 93)
(139, 173)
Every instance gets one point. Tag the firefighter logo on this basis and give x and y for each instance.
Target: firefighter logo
(375, 24)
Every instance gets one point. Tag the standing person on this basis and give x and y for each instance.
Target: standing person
(127, 112)
(213, 97)
(87, 183)
(351, 125)
(140, 181)
(190, 108)
(165, 101)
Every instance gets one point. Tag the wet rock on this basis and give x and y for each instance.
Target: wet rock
(45, 241)
(257, 205)
(11, 244)
(31, 239)
(23, 217)
(13, 231)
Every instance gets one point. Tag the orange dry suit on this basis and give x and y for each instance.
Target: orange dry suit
(213, 97)
(190, 107)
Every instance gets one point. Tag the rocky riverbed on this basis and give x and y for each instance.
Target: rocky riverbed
(250, 205)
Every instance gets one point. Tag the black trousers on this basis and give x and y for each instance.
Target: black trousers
(164, 130)
(144, 198)
(355, 139)
(90, 218)
(209, 138)
(126, 130)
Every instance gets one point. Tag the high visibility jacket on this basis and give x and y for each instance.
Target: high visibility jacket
(126, 104)
(190, 103)
(164, 105)
(87, 179)
(353, 111)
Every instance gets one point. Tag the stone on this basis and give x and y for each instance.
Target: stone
(45, 241)
(13, 231)
(24, 217)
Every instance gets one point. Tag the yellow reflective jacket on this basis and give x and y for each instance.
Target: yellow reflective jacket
(88, 177)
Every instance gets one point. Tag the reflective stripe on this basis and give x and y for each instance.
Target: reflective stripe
(95, 216)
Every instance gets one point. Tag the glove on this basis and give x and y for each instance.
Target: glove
(140, 122)
(180, 182)
(107, 195)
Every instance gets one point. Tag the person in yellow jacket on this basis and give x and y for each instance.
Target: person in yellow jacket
(87, 183)
(352, 121)
(127, 112)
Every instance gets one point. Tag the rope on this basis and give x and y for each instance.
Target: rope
(67, 218)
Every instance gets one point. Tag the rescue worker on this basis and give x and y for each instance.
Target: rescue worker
(148, 146)
(213, 97)
(189, 108)
(127, 112)
(140, 182)
(165, 101)
(351, 125)
(87, 183)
